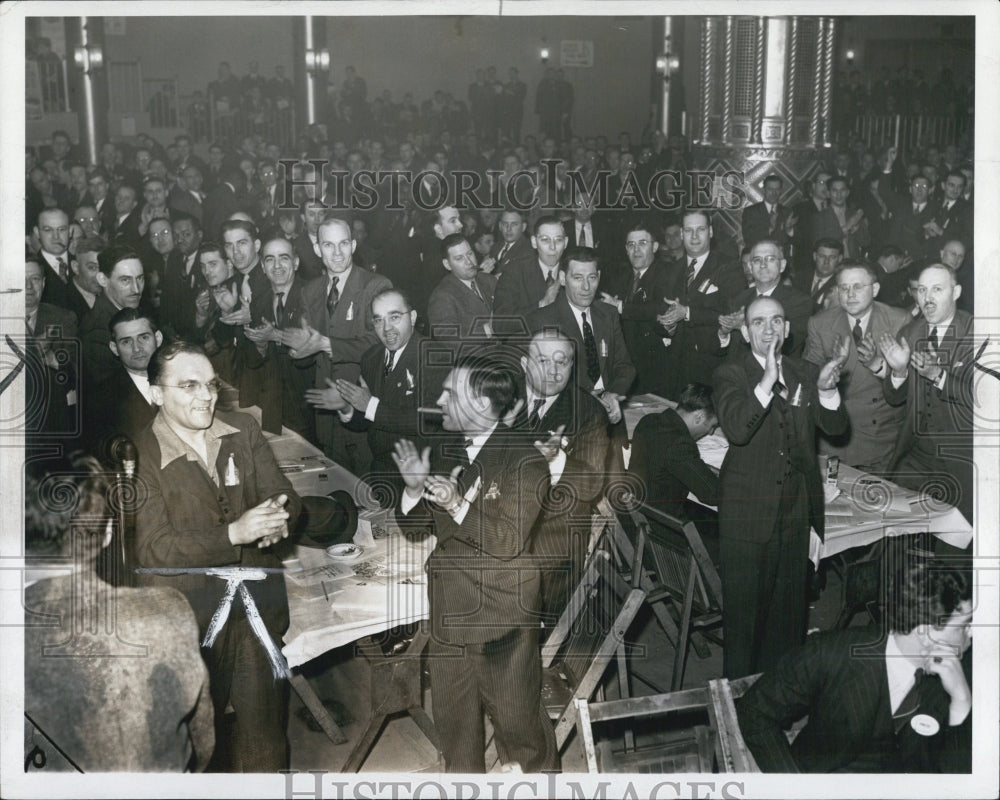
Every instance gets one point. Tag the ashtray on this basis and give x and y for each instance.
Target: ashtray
(345, 552)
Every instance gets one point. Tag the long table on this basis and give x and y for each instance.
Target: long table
(865, 509)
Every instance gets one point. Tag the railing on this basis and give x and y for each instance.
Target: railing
(911, 131)
(229, 121)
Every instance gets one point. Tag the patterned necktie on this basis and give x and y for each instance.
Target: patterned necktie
(937, 335)
(503, 253)
(857, 333)
(333, 297)
(279, 311)
(63, 269)
(388, 363)
(690, 273)
(774, 218)
(551, 277)
(533, 418)
(780, 389)
(590, 348)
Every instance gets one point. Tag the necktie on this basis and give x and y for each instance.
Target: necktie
(690, 272)
(590, 348)
(910, 704)
(635, 285)
(780, 389)
(465, 451)
(774, 218)
(857, 333)
(582, 239)
(333, 297)
(916, 208)
(533, 418)
(503, 252)
(551, 277)
(63, 269)
(279, 311)
(936, 336)
(29, 325)
(475, 288)
(388, 363)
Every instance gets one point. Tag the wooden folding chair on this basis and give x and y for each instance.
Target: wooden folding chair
(716, 747)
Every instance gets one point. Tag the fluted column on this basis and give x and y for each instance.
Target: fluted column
(758, 85)
(828, 80)
(792, 76)
(727, 81)
(707, 41)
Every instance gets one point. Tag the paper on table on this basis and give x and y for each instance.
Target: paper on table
(326, 572)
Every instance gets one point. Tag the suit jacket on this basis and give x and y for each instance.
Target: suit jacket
(827, 225)
(219, 204)
(956, 222)
(482, 580)
(803, 280)
(805, 236)
(75, 301)
(350, 328)
(756, 224)
(654, 361)
(99, 363)
(518, 291)
(603, 230)
(52, 374)
(127, 231)
(874, 424)
(666, 459)
(762, 440)
(454, 310)
(906, 229)
(180, 291)
(839, 679)
(182, 200)
(184, 521)
(118, 410)
(617, 370)
(310, 264)
(520, 251)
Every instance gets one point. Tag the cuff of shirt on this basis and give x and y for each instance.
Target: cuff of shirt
(371, 408)
(345, 416)
(724, 339)
(829, 399)
(897, 382)
(763, 397)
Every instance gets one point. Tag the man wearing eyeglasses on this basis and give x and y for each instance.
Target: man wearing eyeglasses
(860, 321)
(214, 497)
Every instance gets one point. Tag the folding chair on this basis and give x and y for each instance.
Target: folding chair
(716, 747)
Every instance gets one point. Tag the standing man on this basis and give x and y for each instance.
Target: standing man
(931, 371)
(769, 406)
(815, 282)
(337, 325)
(52, 232)
(307, 243)
(481, 501)
(860, 321)
(461, 305)
(216, 498)
(84, 288)
(534, 284)
(766, 219)
(513, 247)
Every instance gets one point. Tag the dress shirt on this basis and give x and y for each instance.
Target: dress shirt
(53, 261)
(142, 384)
(577, 311)
(584, 234)
(89, 297)
(900, 673)
(934, 331)
(699, 262)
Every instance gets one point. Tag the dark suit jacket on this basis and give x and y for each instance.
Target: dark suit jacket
(350, 329)
(75, 301)
(56, 291)
(454, 310)
(956, 222)
(756, 225)
(906, 229)
(874, 424)
(666, 459)
(518, 291)
(310, 264)
(751, 487)
(519, 252)
(182, 200)
(617, 370)
(50, 407)
(99, 363)
(839, 679)
(118, 410)
(803, 280)
(184, 521)
(219, 204)
(481, 585)
(127, 231)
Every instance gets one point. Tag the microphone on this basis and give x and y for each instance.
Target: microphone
(124, 451)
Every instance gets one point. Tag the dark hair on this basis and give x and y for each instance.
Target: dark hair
(180, 216)
(391, 290)
(210, 246)
(109, 257)
(89, 244)
(63, 495)
(450, 241)
(829, 243)
(131, 315)
(696, 397)
(167, 353)
(856, 263)
(586, 255)
(239, 225)
(771, 178)
(925, 591)
(704, 212)
(890, 250)
(642, 225)
(545, 219)
(493, 379)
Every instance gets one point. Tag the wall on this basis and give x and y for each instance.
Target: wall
(414, 54)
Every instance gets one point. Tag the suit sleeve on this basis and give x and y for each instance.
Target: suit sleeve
(509, 297)
(350, 349)
(814, 344)
(739, 411)
(442, 310)
(654, 458)
(622, 370)
(584, 468)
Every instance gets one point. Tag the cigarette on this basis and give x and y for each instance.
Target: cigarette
(325, 594)
(430, 410)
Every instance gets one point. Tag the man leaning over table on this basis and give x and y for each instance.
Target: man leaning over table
(771, 491)
(214, 497)
(480, 495)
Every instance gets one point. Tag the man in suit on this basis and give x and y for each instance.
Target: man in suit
(639, 304)
(910, 214)
(480, 497)
(125, 405)
(605, 368)
(51, 395)
(186, 196)
(931, 370)
(587, 229)
(216, 498)
(766, 219)
(337, 326)
(125, 228)
(514, 247)
(554, 403)
(803, 222)
(181, 286)
(461, 305)
(282, 380)
(98, 184)
(767, 265)
(532, 284)
(395, 381)
(122, 279)
(52, 233)
(222, 201)
(952, 215)
(666, 460)
(769, 406)
(816, 281)
(84, 287)
(860, 321)
(708, 289)
(307, 242)
(878, 701)
(841, 221)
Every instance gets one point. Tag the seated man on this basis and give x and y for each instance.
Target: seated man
(877, 701)
(77, 661)
(665, 458)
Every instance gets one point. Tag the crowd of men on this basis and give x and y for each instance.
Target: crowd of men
(164, 293)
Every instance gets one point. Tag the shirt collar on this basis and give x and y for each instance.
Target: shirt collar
(942, 326)
(396, 355)
(900, 672)
(90, 297)
(478, 441)
(342, 278)
(546, 271)
(173, 447)
(863, 319)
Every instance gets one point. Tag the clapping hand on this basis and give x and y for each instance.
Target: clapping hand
(414, 466)
(550, 295)
(829, 375)
(611, 300)
(612, 405)
(265, 332)
(550, 447)
(328, 399)
(868, 354)
(770, 366)
(444, 491)
(265, 523)
(357, 396)
(239, 316)
(896, 353)
(926, 364)
(731, 322)
(676, 312)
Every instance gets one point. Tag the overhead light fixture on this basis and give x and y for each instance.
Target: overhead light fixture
(317, 61)
(88, 57)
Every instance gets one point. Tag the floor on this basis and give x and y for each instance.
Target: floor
(341, 679)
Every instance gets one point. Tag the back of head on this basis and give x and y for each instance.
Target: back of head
(925, 591)
(65, 497)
